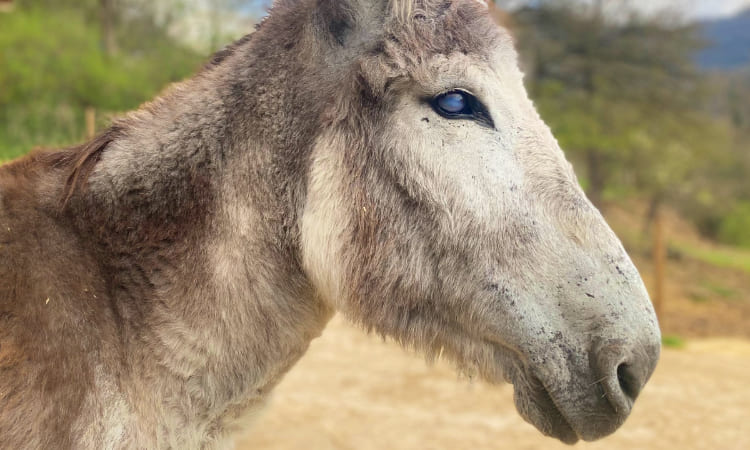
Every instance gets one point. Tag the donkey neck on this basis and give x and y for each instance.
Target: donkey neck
(208, 170)
(192, 212)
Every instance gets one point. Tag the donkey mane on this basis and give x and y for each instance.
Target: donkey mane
(402, 9)
(225, 53)
(82, 159)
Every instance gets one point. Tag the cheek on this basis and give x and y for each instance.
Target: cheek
(470, 170)
(323, 226)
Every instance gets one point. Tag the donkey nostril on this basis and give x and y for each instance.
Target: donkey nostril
(624, 371)
(628, 381)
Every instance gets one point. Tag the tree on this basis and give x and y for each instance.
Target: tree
(48, 79)
(107, 25)
(619, 90)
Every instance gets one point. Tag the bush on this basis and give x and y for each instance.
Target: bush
(52, 67)
(735, 228)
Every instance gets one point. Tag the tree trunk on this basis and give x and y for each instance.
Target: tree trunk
(107, 24)
(90, 115)
(215, 18)
(660, 262)
(654, 208)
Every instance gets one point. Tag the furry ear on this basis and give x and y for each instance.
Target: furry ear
(349, 23)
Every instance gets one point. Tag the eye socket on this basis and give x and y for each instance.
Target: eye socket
(460, 104)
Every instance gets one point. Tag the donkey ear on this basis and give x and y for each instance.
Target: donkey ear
(349, 22)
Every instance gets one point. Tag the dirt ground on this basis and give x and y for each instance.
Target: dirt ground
(353, 391)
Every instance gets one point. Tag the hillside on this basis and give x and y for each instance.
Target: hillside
(729, 40)
(707, 286)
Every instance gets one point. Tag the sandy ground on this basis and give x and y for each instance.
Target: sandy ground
(353, 391)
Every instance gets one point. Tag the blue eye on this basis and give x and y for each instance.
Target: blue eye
(461, 105)
(453, 102)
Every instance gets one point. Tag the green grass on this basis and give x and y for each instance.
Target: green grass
(706, 290)
(722, 257)
(720, 290)
(673, 341)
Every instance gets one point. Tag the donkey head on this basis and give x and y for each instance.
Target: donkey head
(440, 211)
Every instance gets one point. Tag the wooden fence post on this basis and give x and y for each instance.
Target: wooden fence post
(90, 123)
(660, 258)
(6, 6)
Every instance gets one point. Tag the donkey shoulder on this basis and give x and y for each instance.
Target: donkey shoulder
(45, 354)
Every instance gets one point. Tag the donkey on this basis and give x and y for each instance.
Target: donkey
(377, 158)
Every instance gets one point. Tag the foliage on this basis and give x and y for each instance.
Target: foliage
(596, 80)
(622, 95)
(734, 228)
(52, 66)
(627, 103)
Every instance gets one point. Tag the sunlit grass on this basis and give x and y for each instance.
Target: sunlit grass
(718, 256)
(673, 341)
(719, 289)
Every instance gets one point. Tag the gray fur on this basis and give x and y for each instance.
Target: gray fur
(157, 282)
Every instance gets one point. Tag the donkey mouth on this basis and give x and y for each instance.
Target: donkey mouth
(538, 408)
(533, 400)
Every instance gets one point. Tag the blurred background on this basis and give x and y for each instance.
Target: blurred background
(650, 100)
